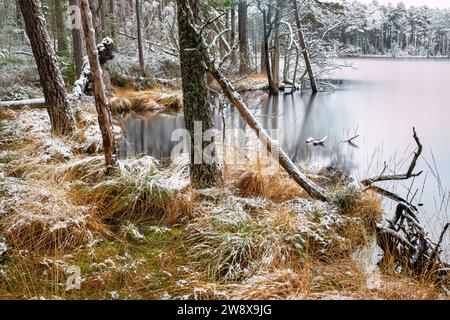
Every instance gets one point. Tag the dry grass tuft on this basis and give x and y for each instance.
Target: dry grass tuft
(251, 184)
(43, 220)
(277, 187)
(6, 114)
(154, 100)
(122, 105)
(271, 284)
(138, 191)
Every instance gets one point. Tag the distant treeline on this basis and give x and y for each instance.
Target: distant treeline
(393, 30)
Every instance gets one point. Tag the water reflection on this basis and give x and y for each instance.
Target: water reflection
(381, 100)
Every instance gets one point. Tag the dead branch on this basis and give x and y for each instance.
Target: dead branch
(404, 238)
(271, 145)
(409, 174)
(40, 102)
(352, 139)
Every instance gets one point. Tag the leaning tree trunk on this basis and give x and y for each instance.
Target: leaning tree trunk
(101, 101)
(272, 146)
(195, 96)
(49, 73)
(312, 78)
(139, 36)
(244, 52)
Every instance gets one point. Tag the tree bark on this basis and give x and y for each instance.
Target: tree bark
(79, 49)
(263, 67)
(139, 36)
(233, 35)
(301, 37)
(272, 146)
(266, 50)
(101, 101)
(195, 96)
(111, 18)
(49, 73)
(122, 11)
(276, 50)
(60, 27)
(244, 52)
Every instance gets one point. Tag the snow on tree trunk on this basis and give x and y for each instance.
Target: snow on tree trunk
(195, 95)
(139, 36)
(301, 37)
(101, 101)
(105, 53)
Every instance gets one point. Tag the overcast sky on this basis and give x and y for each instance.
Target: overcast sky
(408, 3)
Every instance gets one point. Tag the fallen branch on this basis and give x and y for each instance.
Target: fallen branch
(40, 102)
(404, 239)
(409, 174)
(352, 139)
(272, 146)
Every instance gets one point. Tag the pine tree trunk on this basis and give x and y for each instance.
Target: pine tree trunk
(244, 52)
(195, 96)
(111, 18)
(139, 36)
(101, 101)
(60, 27)
(312, 78)
(122, 11)
(79, 49)
(263, 55)
(276, 51)
(266, 50)
(233, 35)
(49, 73)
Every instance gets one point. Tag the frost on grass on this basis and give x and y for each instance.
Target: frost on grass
(42, 219)
(316, 220)
(131, 232)
(3, 248)
(139, 191)
(233, 245)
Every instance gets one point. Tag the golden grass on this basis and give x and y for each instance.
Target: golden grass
(155, 100)
(44, 220)
(278, 187)
(138, 191)
(6, 114)
(243, 242)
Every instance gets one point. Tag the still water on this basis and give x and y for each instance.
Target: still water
(380, 100)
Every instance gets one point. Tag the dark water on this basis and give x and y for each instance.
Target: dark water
(379, 99)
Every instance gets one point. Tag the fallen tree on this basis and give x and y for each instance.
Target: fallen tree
(404, 239)
(38, 103)
(271, 145)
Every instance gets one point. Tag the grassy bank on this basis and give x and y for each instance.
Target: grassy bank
(144, 233)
